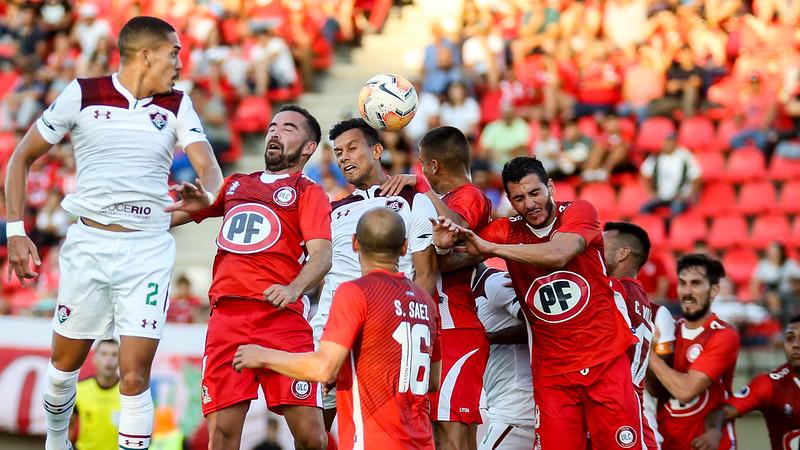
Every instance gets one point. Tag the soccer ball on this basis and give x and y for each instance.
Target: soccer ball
(387, 102)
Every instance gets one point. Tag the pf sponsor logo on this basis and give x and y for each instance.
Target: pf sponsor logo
(558, 297)
(63, 312)
(791, 440)
(694, 406)
(249, 228)
(285, 196)
(301, 389)
(626, 437)
(693, 352)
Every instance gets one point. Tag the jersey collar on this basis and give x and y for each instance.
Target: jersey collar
(268, 178)
(369, 192)
(540, 232)
(132, 100)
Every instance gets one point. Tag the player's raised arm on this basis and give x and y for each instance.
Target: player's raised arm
(21, 250)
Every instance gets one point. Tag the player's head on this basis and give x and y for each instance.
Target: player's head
(357, 149)
(698, 283)
(443, 152)
(380, 237)
(151, 45)
(627, 247)
(106, 358)
(530, 190)
(791, 343)
(292, 137)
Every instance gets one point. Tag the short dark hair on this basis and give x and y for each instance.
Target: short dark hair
(522, 166)
(313, 130)
(370, 134)
(795, 319)
(713, 268)
(448, 145)
(381, 231)
(139, 28)
(635, 236)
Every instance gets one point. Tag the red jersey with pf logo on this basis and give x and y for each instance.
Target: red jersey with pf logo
(267, 219)
(457, 306)
(777, 395)
(571, 310)
(711, 349)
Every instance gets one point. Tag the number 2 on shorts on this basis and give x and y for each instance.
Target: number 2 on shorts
(154, 291)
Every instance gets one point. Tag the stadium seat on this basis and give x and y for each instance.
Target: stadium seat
(697, 134)
(685, 230)
(652, 133)
(715, 199)
(7, 81)
(654, 226)
(757, 197)
(790, 197)
(725, 131)
(784, 168)
(728, 231)
(632, 196)
(588, 127)
(745, 164)
(794, 235)
(251, 115)
(601, 195)
(565, 191)
(769, 228)
(712, 164)
(739, 264)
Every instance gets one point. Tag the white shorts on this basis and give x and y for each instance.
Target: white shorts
(318, 325)
(113, 282)
(508, 437)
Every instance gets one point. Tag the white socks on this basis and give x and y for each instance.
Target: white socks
(59, 400)
(135, 421)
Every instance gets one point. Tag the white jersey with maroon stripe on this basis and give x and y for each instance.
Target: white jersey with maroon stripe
(123, 149)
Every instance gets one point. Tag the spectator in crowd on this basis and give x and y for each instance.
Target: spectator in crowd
(672, 177)
(273, 62)
(483, 55)
(51, 221)
(683, 88)
(771, 277)
(643, 82)
(426, 117)
(575, 147)
(31, 38)
(790, 300)
(271, 440)
(24, 103)
(326, 166)
(610, 152)
(396, 156)
(505, 138)
(547, 149)
(754, 112)
(789, 145)
(210, 106)
(184, 305)
(89, 30)
(459, 110)
(728, 307)
(441, 64)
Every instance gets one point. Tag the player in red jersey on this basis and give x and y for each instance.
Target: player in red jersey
(270, 220)
(776, 394)
(554, 253)
(444, 154)
(381, 339)
(627, 247)
(705, 357)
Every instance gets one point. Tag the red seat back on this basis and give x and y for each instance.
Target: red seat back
(739, 264)
(697, 133)
(790, 197)
(757, 197)
(685, 230)
(715, 199)
(769, 228)
(745, 164)
(727, 231)
(652, 133)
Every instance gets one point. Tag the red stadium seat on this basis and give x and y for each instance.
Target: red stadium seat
(601, 195)
(715, 199)
(727, 231)
(739, 264)
(631, 198)
(7, 82)
(652, 133)
(745, 164)
(794, 236)
(654, 226)
(588, 127)
(757, 197)
(685, 230)
(252, 115)
(769, 228)
(790, 198)
(784, 168)
(565, 191)
(712, 164)
(697, 133)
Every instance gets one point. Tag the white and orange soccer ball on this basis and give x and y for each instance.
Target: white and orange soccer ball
(387, 102)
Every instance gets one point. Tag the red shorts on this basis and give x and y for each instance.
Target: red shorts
(235, 322)
(601, 398)
(464, 356)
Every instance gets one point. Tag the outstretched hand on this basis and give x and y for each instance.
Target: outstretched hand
(474, 244)
(445, 232)
(194, 197)
(249, 356)
(395, 183)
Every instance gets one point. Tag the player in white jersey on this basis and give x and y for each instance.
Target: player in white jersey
(507, 381)
(357, 149)
(116, 261)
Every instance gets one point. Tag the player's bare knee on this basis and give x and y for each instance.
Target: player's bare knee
(133, 383)
(317, 440)
(220, 438)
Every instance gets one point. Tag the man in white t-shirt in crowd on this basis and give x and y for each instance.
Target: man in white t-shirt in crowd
(672, 178)
(89, 30)
(272, 60)
(507, 380)
(117, 259)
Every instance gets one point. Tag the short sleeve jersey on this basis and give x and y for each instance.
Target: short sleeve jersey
(123, 149)
(571, 310)
(665, 324)
(711, 349)
(390, 326)
(777, 395)
(457, 305)
(633, 304)
(267, 219)
(415, 209)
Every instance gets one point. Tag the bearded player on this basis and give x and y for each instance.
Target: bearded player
(705, 358)
(382, 341)
(554, 253)
(271, 221)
